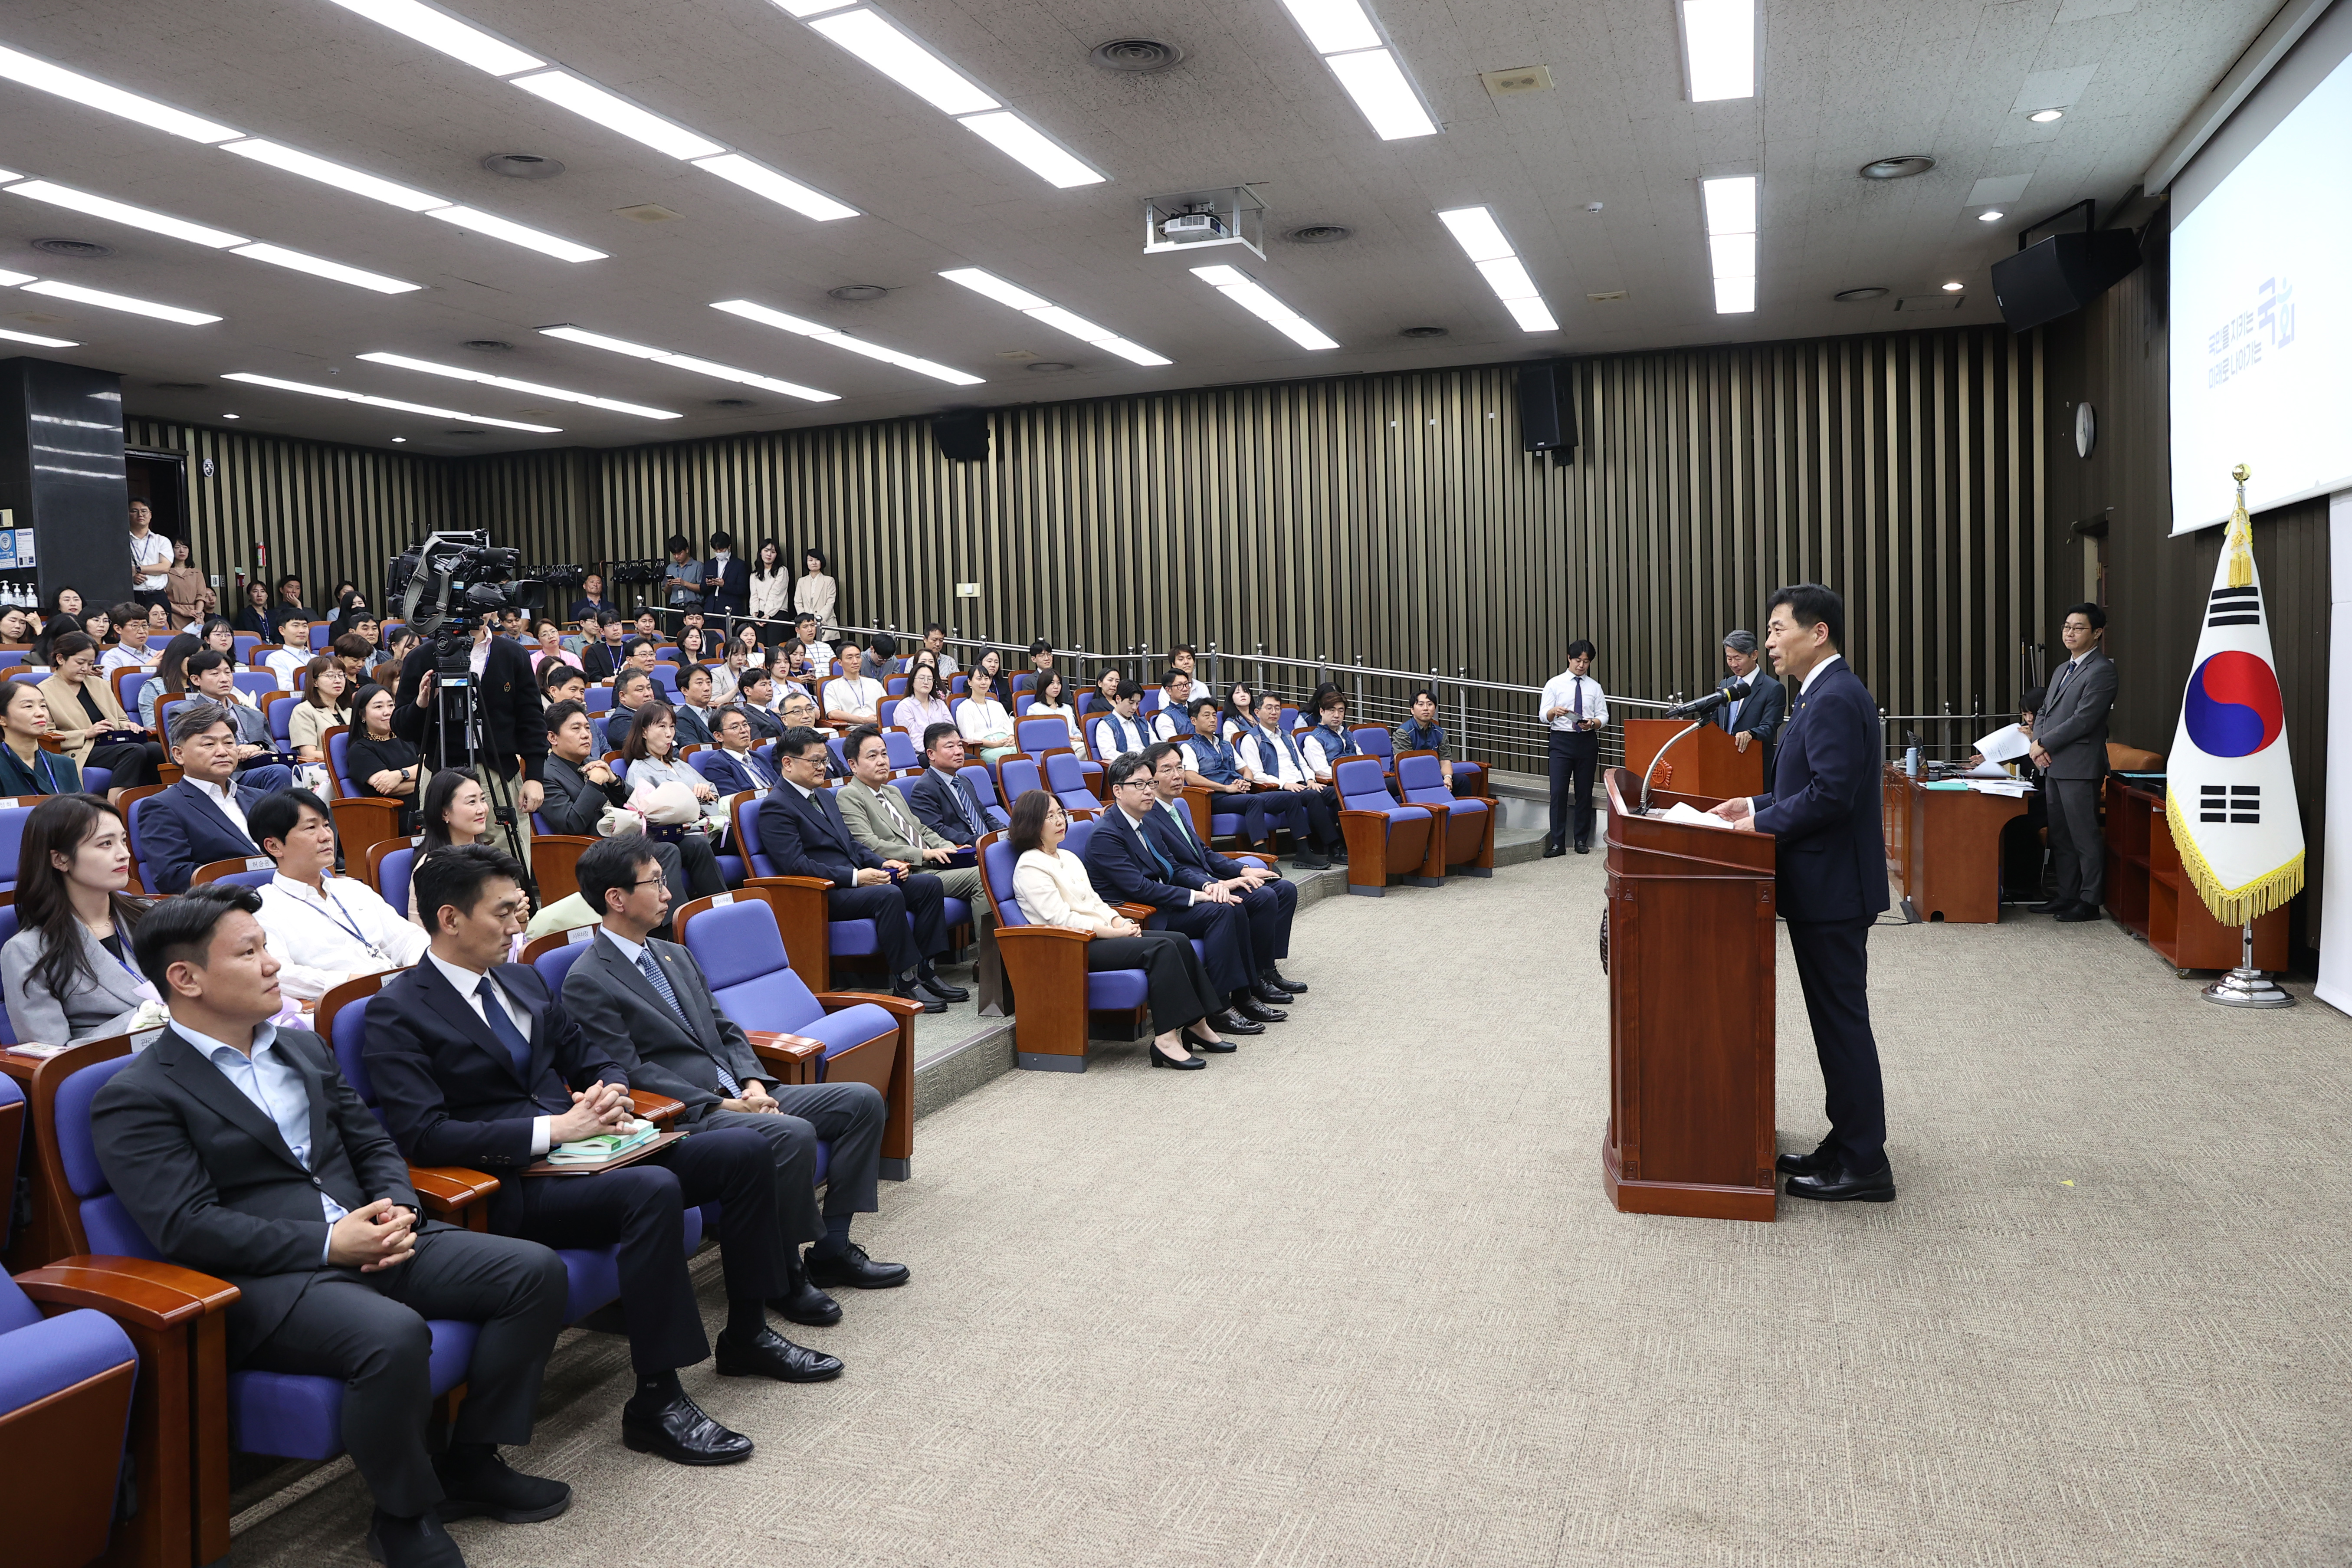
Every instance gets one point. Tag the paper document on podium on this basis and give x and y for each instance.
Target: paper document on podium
(2006, 744)
(1683, 811)
(2017, 789)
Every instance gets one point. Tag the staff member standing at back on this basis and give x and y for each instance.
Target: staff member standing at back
(1831, 883)
(1575, 709)
(2070, 747)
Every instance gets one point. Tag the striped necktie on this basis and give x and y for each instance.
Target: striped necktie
(660, 982)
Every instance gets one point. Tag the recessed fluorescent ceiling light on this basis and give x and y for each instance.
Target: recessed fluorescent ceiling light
(459, 373)
(1047, 313)
(614, 112)
(1482, 240)
(1251, 296)
(1719, 49)
(124, 213)
(2046, 116)
(515, 234)
(781, 189)
(318, 267)
(94, 94)
(1994, 216)
(439, 30)
(875, 39)
(1377, 83)
(13, 278)
(1028, 146)
(1334, 26)
(119, 302)
(1476, 232)
(841, 339)
(310, 167)
(1730, 206)
(807, 8)
(688, 363)
(340, 395)
(37, 342)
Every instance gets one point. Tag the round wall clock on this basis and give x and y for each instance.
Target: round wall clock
(2086, 429)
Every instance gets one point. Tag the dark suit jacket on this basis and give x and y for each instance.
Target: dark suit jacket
(512, 709)
(1196, 864)
(205, 1174)
(584, 608)
(692, 730)
(734, 594)
(2072, 725)
(1824, 803)
(448, 1089)
(622, 1016)
(181, 830)
(730, 776)
(52, 772)
(935, 810)
(1759, 714)
(599, 659)
(765, 726)
(572, 805)
(807, 837)
(1119, 863)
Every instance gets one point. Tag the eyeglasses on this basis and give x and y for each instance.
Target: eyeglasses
(652, 882)
(1133, 783)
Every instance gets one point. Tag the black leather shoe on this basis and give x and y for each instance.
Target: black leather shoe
(1215, 1048)
(922, 999)
(2079, 913)
(475, 1481)
(1338, 854)
(850, 1267)
(1307, 861)
(1843, 1186)
(1182, 1064)
(1259, 1013)
(941, 989)
(1553, 850)
(1232, 1023)
(1276, 977)
(1273, 996)
(2050, 907)
(802, 1302)
(1812, 1164)
(1584, 848)
(418, 1542)
(680, 1433)
(768, 1355)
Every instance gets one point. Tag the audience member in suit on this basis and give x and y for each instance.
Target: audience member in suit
(210, 676)
(1754, 718)
(508, 711)
(1268, 900)
(726, 579)
(799, 713)
(2070, 747)
(476, 1064)
(1052, 888)
(1823, 807)
(945, 801)
(201, 819)
(693, 709)
(736, 765)
(69, 972)
(580, 785)
(591, 602)
(802, 831)
(1121, 730)
(601, 654)
(1128, 867)
(645, 1004)
(884, 820)
(756, 697)
(1212, 764)
(241, 1151)
(1575, 709)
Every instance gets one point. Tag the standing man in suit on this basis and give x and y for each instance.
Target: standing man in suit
(645, 1004)
(201, 819)
(1754, 718)
(1575, 709)
(1268, 900)
(801, 830)
(2070, 747)
(240, 1150)
(726, 579)
(945, 801)
(1824, 806)
(580, 785)
(1128, 867)
(510, 721)
(476, 1064)
(884, 820)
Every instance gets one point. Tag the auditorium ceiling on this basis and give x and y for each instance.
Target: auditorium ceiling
(1592, 180)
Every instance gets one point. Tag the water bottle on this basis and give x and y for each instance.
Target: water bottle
(1911, 761)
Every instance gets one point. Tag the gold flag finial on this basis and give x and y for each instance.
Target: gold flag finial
(2240, 541)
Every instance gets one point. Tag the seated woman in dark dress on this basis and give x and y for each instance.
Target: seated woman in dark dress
(378, 761)
(25, 768)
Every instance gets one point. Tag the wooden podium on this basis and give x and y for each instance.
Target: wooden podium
(1709, 764)
(1688, 946)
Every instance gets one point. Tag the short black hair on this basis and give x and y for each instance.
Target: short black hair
(454, 877)
(290, 577)
(721, 540)
(686, 676)
(934, 734)
(623, 681)
(733, 710)
(804, 616)
(1175, 673)
(2035, 696)
(197, 663)
(1183, 648)
(677, 542)
(1582, 649)
(2089, 612)
(797, 740)
(561, 674)
(560, 713)
(934, 627)
(1121, 689)
(130, 610)
(1192, 710)
(753, 677)
(276, 816)
(1811, 604)
(1120, 769)
(858, 737)
(1040, 646)
(1154, 752)
(1326, 701)
(609, 864)
(884, 645)
(629, 645)
(180, 931)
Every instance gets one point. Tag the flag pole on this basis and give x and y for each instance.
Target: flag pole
(2246, 987)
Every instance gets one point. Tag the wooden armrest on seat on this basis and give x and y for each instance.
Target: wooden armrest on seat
(363, 822)
(835, 1001)
(448, 1190)
(795, 1057)
(134, 1291)
(896, 1084)
(1138, 914)
(657, 1108)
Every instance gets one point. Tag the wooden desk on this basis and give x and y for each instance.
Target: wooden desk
(1709, 764)
(2148, 893)
(1943, 848)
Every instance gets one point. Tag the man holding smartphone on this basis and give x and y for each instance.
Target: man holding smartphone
(1575, 710)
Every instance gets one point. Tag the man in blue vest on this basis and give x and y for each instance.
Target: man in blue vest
(1269, 756)
(1210, 764)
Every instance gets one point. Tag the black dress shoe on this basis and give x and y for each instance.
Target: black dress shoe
(802, 1302)
(941, 989)
(1259, 1013)
(1843, 1186)
(1273, 996)
(475, 1481)
(1551, 850)
(680, 1433)
(1338, 854)
(928, 1002)
(1306, 862)
(1232, 1023)
(1276, 977)
(850, 1267)
(2079, 913)
(1583, 848)
(1812, 1164)
(418, 1542)
(1182, 1064)
(2050, 907)
(1213, 1047)
(768, 1355)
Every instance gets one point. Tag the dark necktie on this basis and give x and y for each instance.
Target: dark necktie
(1167, 866)
(1578, 714)
(2065, 673)
(660, 983)
(762, 773)
(494, 1014)
(972, 819)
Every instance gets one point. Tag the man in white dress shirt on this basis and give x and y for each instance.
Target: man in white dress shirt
(1120, 731)
(151, 557)
(1575, 710)
(294, 657)
(851, 698)
(322, 929)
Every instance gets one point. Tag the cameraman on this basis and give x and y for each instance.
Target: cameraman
(506, 704)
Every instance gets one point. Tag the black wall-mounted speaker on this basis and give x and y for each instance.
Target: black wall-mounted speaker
(2060, 274)
(1547, 407)
(963, 436)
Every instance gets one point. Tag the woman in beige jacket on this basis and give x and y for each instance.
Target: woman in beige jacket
(185, 589)
(90, 724)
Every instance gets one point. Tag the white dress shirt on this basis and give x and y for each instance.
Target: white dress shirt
(1321, 757)
(121, 657)
(1115, 736)
(464, 981)
(1270, 759)
(853, 694)
(223, 796)
(1807, 684)
(321, 940)
(286, 664)
(274, 1083)
(1579, 694)
(152, 556)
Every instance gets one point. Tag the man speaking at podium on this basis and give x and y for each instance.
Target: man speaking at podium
(1829, 883)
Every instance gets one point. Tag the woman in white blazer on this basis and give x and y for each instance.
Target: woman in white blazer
(1052, 888)
(69, 973)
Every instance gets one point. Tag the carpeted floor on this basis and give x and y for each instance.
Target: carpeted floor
(1353, 1296)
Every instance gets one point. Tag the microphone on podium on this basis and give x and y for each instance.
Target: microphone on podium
(1700, 707)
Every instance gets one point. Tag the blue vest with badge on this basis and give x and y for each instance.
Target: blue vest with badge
(1216, 762)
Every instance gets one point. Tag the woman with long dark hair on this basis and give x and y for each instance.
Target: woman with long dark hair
(771, 593)
(16, 628)
(815, 594)
(92, 724)
(254, 616)
(320, 709)
(68, 972)
(377, 762)
(650, 752)
(170, 676)
(455, 811)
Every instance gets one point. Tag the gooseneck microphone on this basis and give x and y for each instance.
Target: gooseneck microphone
(1700, 707)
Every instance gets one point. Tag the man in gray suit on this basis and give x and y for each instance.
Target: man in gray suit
(884, 820)
(2070, 747)
(1756, 718)
(645, 1004)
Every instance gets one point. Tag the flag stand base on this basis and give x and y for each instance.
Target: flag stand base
(2246, 987)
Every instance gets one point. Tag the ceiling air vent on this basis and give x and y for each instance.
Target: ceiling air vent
(1137, 57)
(81, 249)
(488, 346)
(1901, 168)
(1857, 296)
(1422, 333)
(856, 293)
(522, 165)
(1319, 234)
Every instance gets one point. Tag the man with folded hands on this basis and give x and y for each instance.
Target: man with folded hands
(645, 1004)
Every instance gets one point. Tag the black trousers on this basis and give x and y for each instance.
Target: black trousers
(1833, 967)
(1180, 990)
(369, 1330)
(2076, 848)
(641, 1209)
(847, 1116)
(1575, 759)
(888, 905)
(1269, 909)
(1320, 825)
(133, 762)
(1223, 930)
